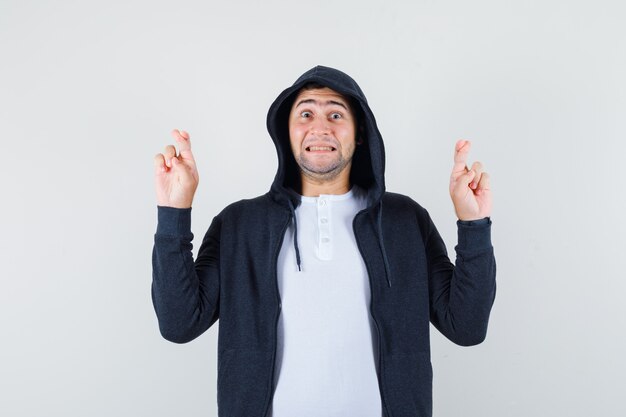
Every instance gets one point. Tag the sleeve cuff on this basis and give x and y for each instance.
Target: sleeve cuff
(474, 234)
(173, 221)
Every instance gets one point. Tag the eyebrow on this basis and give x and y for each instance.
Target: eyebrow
(310, 100)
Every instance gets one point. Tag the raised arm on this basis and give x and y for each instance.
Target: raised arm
(462, 294)
(185, 294)
(469, 188)
(176, 176)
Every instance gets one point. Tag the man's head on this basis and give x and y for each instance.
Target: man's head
(312, 174)
(322, 132)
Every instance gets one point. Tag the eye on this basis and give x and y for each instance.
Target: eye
(305, 114)
(336, 115)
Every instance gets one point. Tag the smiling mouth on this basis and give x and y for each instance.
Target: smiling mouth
(320, 148)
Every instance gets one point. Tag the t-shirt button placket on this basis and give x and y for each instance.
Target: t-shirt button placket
(324, 229)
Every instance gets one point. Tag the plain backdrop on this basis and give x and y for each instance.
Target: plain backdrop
(90, 90)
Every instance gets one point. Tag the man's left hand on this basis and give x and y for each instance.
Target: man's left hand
(469, 187)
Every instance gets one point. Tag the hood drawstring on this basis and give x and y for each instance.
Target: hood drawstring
(380, 239)
(382, 244)
(295, 233)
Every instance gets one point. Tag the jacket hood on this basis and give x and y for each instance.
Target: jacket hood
(368, 162)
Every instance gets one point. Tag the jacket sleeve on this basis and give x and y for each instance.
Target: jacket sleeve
(185, 294)
(461, 295)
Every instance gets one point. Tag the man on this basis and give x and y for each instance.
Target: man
(325, 285)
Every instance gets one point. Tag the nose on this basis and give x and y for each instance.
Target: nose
(320, 126)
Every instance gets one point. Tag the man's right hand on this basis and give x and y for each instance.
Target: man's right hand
(176, 177)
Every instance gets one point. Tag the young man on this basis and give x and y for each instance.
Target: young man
(325, 285)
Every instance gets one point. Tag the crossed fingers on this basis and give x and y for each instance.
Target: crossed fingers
(478, 179)
(163, 161)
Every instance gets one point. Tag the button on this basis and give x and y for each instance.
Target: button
(322, 202)
(325, 240)
(324, 220)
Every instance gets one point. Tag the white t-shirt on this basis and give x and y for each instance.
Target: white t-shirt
(326, 359)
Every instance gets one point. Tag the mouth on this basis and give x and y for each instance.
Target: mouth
(320, 149)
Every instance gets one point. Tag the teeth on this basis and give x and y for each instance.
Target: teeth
(321, 148)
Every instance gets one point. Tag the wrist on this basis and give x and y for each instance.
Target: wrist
(475, 221)
(173, 221)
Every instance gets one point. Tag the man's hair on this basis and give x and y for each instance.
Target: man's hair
(312, 85)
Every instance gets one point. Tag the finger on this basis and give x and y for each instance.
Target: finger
(182, 139)
(184, 145)
(484, 184)
(466, 179)
(181, 170)
(478, 168)
(461, 150)
(159, 163)
(168, 153)
(461, 187)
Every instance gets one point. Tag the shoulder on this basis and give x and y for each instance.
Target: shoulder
(403, 211)
(254, 207)
(251, 219)
(402, 203)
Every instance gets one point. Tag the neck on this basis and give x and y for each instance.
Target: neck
(313, 187)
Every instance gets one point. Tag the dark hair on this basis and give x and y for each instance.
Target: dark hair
(312, 85)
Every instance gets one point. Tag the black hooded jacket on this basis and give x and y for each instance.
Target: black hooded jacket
(412, 281)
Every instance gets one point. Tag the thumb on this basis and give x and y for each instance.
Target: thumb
(177, 164)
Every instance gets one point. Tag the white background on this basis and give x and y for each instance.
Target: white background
(89, 91)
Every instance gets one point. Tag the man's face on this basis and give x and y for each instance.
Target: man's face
(322, 131)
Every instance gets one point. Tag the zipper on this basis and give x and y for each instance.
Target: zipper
(280, 306)
(369, 275)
